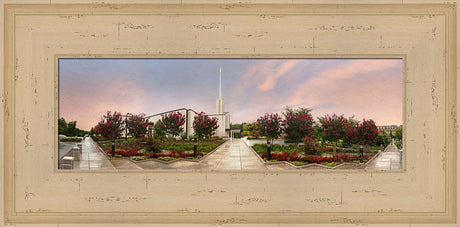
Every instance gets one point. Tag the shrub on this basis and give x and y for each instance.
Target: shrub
(310, 145)
(158, 130)
(183, 136)
(296, 159)
(70, 140)
(153, 145)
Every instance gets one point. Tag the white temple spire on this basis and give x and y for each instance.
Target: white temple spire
(220, 101)
(220, 83)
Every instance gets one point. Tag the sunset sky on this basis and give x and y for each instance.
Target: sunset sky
(365, 88)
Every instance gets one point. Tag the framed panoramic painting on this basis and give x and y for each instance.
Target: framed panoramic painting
(229, 113)
(304, 109)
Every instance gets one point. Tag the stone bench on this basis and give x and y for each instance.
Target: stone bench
(67, 162)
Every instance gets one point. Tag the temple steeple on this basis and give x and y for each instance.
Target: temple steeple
(220, 101)
(220, 83)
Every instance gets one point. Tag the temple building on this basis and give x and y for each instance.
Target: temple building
(388, 128)
(223, 118)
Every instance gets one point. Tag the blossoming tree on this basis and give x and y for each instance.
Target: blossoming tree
(298, 124)
(110, 126)
(270, 127)
(204, 125)
(137, 125)
(350, 136)
(172, 123)
(367, 132)
(334, 128)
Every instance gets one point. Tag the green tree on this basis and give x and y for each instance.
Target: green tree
(204, 125)
(158, 131)
(236, 126)
(383, 139)
(251, 129)
(298, 124)
(72, 128)
(62, 126)
(318, 131)
(69, 129)
(399, 133)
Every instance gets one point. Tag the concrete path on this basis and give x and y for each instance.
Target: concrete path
(91, 157)
(233, 155)
(390, 158)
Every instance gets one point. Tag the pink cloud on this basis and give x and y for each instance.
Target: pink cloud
(362, 88)
(273, 75)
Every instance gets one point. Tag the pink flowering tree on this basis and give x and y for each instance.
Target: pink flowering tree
(204, 125)
(270, 126)
(334, 128)
(172, 123)
(110, 126)
(137, 125)
(367, 132)
(350, 136)
(298, 124)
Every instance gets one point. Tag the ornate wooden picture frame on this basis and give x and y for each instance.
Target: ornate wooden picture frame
(36, 35)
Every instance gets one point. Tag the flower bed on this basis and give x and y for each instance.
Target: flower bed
(285, 156)
(291, 154)
(161, 156)
(141, 149)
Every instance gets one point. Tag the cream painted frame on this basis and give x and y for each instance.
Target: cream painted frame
(35, 35)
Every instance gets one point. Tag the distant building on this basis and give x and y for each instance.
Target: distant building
(223, 118)
(189, 117)
(388, 128)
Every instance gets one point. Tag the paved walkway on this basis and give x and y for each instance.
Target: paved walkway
(233, 155)
(91, 157)
(390, 158)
